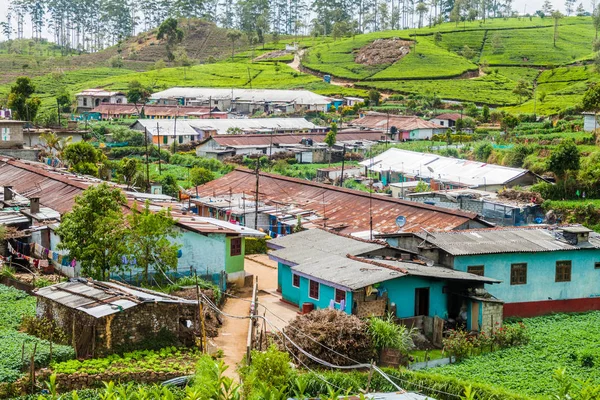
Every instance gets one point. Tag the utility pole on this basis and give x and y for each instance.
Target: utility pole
(343, 160)
(256, 195)
(147, 166)
(175, 129)
(158, 133)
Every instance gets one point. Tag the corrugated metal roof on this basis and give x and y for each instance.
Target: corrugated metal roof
(149, 109)
(278, 139)
(444, 169)
(375, 120)
(100, 299)
(98, 92)
(221, 126)
(246, 95)
(344, 209)
(436, 271)
(505, 240)
(449, 116)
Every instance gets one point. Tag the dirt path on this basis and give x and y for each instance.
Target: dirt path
(297, 66)
(233, 334)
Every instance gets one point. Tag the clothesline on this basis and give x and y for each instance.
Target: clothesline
(26, 250)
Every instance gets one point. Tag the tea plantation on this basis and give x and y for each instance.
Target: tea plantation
(570, 341)
(14, 304)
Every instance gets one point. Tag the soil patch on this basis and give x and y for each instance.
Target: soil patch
(383, 51)
(271, 54)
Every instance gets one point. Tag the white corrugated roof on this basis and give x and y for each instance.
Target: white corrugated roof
(245, 95)
(221, 126)
(440, 168)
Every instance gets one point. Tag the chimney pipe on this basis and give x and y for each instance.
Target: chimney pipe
(8, 194)
(34, 205)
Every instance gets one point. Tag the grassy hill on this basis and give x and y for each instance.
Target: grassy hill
(502, 52)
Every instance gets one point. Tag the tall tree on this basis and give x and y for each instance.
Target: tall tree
(150, 239)
(20, 100)
(137, 94)
(569, 6)
(93, 231)
(556, 16)
(564, 159)
(233, 35)
(169, 31)
(331, 138)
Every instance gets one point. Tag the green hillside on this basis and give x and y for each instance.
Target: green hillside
(501, 53)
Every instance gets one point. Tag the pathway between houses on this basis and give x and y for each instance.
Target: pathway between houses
(233, 333)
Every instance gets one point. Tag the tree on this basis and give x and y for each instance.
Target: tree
(330, 138)
(182, 60)
(596, 21)
(150, 239)
(374, 97)
(556, 16)
(485, 113)
(129, 168)
(569, 5)
(522, 90)
(580, 10)
(497, 43)
(233, 36)
(509, 122)
(564, 159)
(137, 94)
(169, 185)
(591, 100)
(82, 157)
(55, 143)
(63, 100)
(200, 176)
(547, 7)
(437, 37)
(24, 106)
(467, 52)
(93, 231)
(170, 31)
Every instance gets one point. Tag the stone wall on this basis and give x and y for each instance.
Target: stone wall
(492, 314)
(24, 154)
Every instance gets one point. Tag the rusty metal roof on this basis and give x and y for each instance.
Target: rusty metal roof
(150, 110)
(343, 209)
(375, 120)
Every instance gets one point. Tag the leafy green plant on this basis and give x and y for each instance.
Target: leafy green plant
(387, 334)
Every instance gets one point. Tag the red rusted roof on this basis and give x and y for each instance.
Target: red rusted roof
(344, 209)
(149, 110)
(449, 116)
(266, 139)
(374, 120)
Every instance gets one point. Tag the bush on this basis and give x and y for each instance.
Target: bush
(385, 333)
(482, 151)
(256, 245)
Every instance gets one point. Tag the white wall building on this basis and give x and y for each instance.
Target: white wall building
(92, 98)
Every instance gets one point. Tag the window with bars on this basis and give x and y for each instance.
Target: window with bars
(236, 246)
(313, 290)
(340, 295)
(563, 271)
(475, 269)
(518, 274)
(295, 280)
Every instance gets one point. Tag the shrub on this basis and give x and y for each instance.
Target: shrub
(482, 151)
(458, 343)
(256, 245)
(385, 333)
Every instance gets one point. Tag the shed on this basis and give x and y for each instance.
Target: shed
(102, 317)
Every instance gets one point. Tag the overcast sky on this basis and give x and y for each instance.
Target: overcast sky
(521, 6)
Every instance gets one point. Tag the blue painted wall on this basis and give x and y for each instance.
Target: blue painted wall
(402, 292)
(300, 295)
(541, 272)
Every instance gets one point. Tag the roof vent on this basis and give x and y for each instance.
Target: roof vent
(8, 194)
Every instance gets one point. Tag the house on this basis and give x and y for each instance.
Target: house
(344, 210)
(401, 189)
(399, 127)
(224, 145)
(447, 120)
(33, 138)
(104, 317)
(43, 194)
(590, 122)
(92, 98)
(352, 101)
(492, 207)
(155, 111)
(542, 270)
(320, 269)
(184, 131)
(11, 134)
(245, 101)
(439, 172)
(333, 174)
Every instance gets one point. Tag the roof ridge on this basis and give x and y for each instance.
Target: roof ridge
(349, 236)
(377, 264)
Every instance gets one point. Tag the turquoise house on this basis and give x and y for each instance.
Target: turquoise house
(542, 270)
(321, 269)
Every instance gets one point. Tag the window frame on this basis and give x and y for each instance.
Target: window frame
(336, 296)
(310, 289)
(294, 278)
(471, 267)
(514, 281)
(567, 266)
(237, 249)
(597, 265)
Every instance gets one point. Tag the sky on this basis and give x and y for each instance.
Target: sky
(521, 6)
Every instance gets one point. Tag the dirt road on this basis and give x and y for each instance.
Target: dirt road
(233, 334)
(296, 64)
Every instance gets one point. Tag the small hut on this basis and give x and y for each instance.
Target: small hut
(102, 317)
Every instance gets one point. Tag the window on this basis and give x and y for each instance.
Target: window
(236, 246)
(597, 265)
(85, 101)
(313, 290)
(563, 271)
(340, 295)
(295, 280)
(441, 123)
(180, 138)
(165, 140)
(518, 274)
(475, 269)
